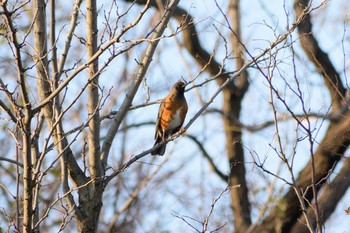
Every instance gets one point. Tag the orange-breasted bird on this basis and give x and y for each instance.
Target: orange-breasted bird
(171, 115)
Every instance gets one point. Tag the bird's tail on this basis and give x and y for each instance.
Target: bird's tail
(161, 149)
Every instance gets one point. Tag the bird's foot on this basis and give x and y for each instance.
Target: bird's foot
(182, 130)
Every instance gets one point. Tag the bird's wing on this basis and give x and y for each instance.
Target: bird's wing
(184, 111)
(158, 126)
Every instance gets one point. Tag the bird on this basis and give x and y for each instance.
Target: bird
(171, 116)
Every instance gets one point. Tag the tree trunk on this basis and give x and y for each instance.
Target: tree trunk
(27, 176)
(232, 101)
(91, 203)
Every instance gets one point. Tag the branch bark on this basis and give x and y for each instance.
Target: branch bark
(93, 92)
(232, 108)
(209, 158)
(27, 175)
(318, 57)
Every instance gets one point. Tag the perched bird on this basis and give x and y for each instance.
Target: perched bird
(171, 115)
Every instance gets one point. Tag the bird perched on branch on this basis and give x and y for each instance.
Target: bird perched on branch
(171, 115)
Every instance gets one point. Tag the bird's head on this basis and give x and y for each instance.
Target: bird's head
(179, 86)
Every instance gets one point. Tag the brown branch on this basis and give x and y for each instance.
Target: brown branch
(11, 161)
(208, 157)
(17, 53)
(67, 45)
(9, 112)
(25, 126)
(95, 166)
(318, 57)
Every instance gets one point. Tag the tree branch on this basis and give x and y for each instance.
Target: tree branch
(11, 161)
(317, 56)
(208, 157)
(67, 45)
(95, 166)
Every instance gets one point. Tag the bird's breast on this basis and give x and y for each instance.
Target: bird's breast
(175, 120)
